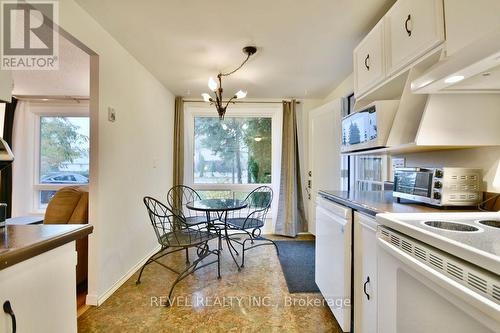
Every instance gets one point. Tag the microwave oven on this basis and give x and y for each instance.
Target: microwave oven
(369, 127)
(439, 186)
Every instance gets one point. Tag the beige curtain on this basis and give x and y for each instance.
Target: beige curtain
(178, 153)
(179, 142)
(291, 219)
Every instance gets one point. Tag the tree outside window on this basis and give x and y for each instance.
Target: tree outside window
(64, 153)
(236, 150)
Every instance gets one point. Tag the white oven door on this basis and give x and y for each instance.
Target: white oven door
(419, 297)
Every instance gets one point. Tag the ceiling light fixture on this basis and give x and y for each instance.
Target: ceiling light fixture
(454, 79)
(220, 105)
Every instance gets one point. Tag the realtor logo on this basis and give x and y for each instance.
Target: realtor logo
(29, 35)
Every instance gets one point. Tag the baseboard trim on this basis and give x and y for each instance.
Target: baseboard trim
(93, 299)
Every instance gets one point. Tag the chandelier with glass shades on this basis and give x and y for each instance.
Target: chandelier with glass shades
(220, 105)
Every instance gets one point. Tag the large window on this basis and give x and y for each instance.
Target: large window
(63, 155)
(233, 151)
(229, 158)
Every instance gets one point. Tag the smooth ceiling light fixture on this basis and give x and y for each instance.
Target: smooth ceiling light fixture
(220, 105)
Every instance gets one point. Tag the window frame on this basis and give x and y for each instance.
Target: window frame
(273, 111)
(37, 186)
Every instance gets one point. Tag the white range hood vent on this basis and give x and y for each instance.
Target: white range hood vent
(473, 69)
(444, 121)
(460, 120)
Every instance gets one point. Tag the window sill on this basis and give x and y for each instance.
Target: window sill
(25, 220)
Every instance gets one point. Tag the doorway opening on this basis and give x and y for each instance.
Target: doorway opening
(53, 124)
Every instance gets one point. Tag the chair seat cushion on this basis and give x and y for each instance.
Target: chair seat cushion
(186, 237)
(247, 223)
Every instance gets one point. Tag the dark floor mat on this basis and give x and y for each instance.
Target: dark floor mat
(297, 259)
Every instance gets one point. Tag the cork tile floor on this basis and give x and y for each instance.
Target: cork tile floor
(255, 299)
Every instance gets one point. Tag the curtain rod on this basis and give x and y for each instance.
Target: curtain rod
(51, 98)
(237, 102)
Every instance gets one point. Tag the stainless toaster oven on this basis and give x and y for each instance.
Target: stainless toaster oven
(439, 186)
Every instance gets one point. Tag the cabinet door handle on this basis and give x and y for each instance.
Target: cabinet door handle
(366, 62)
(364, 287)
(7, 308)
(408, 30)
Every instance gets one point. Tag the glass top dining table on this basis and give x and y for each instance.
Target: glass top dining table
(221, 207)
(216, 205)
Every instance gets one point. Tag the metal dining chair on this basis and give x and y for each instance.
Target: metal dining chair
(249, 221)
(174, 235)
(177, 198)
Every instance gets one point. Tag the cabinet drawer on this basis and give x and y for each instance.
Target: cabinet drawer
(369, 68)
(412, 29)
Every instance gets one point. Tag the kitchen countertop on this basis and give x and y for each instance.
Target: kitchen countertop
(22, 242)
(374, 202)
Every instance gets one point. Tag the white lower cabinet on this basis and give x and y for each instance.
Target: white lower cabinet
(365, 274)
(41, 292)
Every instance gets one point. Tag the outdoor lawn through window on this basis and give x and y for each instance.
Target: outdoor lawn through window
(64, 151)
(235, 150)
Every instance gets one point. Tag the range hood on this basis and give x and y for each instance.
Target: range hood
(473, 69)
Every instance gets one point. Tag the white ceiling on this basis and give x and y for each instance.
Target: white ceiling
(305, 47)
(71, 79)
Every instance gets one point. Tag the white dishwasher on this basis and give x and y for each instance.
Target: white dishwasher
(333, 258)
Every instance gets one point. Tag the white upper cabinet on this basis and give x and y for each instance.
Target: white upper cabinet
(412, 28)
(5, 85)
(369, 63)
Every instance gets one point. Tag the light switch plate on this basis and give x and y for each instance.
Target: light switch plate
(111, 114)
(398, 162)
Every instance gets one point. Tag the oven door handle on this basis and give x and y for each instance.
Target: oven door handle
(482, 303)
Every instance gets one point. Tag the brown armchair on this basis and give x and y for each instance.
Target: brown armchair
(70, 206)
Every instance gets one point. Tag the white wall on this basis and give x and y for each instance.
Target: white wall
(303, 110)
(134, 154)
(344, 89)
